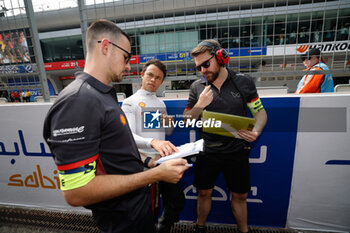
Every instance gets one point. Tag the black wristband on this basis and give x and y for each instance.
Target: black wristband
(145, 163)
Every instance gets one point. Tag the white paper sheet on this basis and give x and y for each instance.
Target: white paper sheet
(184, 151)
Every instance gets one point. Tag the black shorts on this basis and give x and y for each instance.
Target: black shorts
(119, 222)
(235, 167)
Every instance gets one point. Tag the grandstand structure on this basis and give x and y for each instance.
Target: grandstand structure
(42, 44)
(296, 164)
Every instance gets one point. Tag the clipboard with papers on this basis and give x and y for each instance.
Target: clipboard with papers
(230, 124)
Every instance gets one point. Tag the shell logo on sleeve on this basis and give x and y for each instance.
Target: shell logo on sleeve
(142, 104)
(122, 119)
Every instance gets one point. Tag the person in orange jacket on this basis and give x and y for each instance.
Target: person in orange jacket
(315, 83)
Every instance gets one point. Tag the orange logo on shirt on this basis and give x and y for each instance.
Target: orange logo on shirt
(122, 119)
(142, 104)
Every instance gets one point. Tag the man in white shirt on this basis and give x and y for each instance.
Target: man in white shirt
(145, 99)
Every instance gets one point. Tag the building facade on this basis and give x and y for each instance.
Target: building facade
(263, 38)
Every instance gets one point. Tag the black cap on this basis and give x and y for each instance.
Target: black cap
(311, 52)
(314, 51)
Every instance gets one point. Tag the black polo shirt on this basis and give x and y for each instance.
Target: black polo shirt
(86, 123)
(227, 100)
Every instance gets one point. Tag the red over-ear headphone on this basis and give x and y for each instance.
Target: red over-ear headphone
(221, 54)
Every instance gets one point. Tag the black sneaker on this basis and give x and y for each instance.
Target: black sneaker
(200, 229)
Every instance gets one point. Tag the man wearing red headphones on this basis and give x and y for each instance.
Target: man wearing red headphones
(223, 91)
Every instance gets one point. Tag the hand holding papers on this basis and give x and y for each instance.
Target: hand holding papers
(230, 124)
(184, 150)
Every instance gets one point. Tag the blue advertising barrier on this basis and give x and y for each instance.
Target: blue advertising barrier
(294, 168)
(18, 69)
(272, 158)
(247, 52)
(31, 81)
(272, 162)
(186, 56)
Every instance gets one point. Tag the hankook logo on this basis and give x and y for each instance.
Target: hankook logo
(326, 47)
(302, 48)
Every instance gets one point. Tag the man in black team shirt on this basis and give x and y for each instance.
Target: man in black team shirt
(223, 91)
(92, 145)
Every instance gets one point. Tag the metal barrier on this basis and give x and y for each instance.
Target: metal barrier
(176, 93)
(40, 99)
(121, 96)
(272, 90)
(342, 88)
(3, 100)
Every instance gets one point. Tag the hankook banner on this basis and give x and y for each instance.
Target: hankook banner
(296, 49)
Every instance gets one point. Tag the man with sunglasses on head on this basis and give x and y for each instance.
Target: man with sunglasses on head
(92, 145)
(153, 74)
(223, 91)
(315, 83)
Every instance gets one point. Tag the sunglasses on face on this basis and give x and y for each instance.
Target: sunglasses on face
(205, 64)
(126, 58)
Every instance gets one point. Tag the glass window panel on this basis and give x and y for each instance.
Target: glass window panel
(168, 42)
(62, 49)
(305, 16)
(203, 34)
(280, 18)
(291, 33)
(223, 33)
(269, 19)
(280, 28)
(187, 40)
(331, 14)
(148, 44)
(223, 23)
(226, 43)
(257, 20)
(292, 17)
(317, 14)
(317, 24)
(234, 31)
(346, 14)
